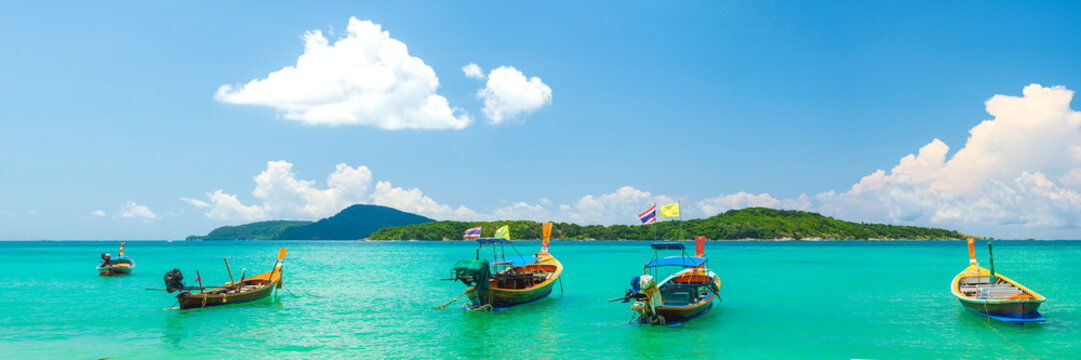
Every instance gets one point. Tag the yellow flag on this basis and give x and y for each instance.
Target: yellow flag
(670, 210)
(503, 232)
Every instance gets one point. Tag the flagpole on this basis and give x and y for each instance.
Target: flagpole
(680, 222)
(655, 236)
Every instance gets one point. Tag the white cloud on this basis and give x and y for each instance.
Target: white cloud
(363, 78)
(737, 201)
(282, 195)
(509, 94)
(195, 202)
(999, 181)
(473, 71)
(414, 201)
(227, 207)
(131, 210)
(619, 207)
(97, 213)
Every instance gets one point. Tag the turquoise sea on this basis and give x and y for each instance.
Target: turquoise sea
(798, 300)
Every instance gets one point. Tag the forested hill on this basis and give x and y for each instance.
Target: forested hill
(263, 230)
(353, 223)
(749, 223)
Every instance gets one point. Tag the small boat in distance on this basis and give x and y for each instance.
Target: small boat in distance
(680, 297)
(247, 289)
(507, 281)
(122, 265)
(993, 295)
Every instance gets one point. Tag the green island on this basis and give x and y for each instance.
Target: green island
(743, 224)
(374, 222)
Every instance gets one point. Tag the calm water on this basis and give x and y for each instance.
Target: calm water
(823, 300)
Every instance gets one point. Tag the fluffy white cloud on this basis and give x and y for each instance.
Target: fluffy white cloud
(509, 94)
(281, 194)
(98, 213)
(1001, 180)
(473, 71)
(227, 207)
(621, 206)
(414, 201)
(363, 78)
(131, 210)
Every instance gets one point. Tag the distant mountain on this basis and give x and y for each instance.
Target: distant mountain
(263, 230)
(749, 223)
(355, 222)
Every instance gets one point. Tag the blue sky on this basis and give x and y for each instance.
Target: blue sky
(109, 114)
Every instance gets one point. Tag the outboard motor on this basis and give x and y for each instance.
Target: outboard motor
(174, 281)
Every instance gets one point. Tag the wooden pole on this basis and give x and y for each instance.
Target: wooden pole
(230, 271)
(991, 258)
(199, 279)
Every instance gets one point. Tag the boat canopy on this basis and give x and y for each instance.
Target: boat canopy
(516, 260)
(684, 261)
(667, 246)
(485, 241)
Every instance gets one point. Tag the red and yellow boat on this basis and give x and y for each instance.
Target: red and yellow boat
(995, 296)
(680, 297)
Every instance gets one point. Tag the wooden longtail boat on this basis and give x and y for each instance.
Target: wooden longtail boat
(122, 265)
(680, 297)
(993, 295)
(247, 289)
(508, 281)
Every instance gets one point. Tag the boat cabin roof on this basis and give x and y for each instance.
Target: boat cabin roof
(516, 260)
(684, 261)
(667, 246)
(485, 241)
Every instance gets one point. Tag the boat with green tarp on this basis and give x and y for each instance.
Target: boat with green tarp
(507, 281)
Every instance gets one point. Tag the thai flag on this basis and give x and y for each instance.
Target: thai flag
(649, 216)
(473, 233)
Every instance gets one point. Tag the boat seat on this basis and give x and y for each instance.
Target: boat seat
(677, 298)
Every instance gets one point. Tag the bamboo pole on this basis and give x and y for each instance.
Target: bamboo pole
(231, 281)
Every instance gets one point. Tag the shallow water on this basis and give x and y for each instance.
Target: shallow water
(884, 300)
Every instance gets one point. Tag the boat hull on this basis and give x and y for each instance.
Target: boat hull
(113, 270)
(121, 266)
(503, 298)
(201, 300)
(253, 288)
(676, 315)
(1020, 311)
(1020, 308)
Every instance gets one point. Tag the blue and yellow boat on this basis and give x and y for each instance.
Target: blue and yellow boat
(994, 296)
(684, 295)
(122, 265)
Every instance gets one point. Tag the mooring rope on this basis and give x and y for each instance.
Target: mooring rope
(988, 324)
(440, 307)
(290, 292)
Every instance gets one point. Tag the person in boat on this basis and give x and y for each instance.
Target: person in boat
(106, 259)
